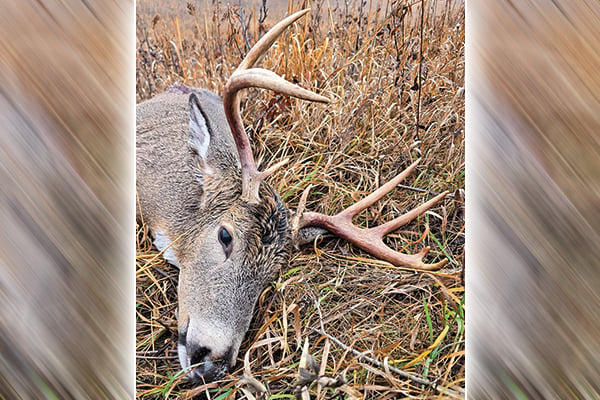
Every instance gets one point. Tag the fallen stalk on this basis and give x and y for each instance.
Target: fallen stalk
(361, 357)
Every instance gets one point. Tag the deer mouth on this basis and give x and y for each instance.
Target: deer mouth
(208, 371)
(202, 363)
(203, 368)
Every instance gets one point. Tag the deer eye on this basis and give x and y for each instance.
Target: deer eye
(225, 239)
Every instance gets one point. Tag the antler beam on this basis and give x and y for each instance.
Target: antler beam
(371, 239)
(245, 77)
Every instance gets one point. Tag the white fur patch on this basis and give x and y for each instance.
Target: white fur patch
(184, 360)
(199, 136)
(162, 241)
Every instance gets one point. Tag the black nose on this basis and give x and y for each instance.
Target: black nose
(200, 356)
(207, 368)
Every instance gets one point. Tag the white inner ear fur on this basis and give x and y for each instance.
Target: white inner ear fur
(199, 136)
(162, 241)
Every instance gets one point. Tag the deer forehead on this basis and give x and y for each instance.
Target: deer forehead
(223, 203)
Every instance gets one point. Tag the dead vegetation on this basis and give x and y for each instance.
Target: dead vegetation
(336, 323)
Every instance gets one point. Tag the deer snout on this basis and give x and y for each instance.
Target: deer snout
(207, 351)
(210, 367)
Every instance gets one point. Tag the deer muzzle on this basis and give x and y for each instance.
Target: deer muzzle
(207, 351)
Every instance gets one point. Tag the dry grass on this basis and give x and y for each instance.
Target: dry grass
(361, 319)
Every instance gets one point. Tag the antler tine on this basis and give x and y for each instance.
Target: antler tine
(268, 39)
(371, 239)
(379, 193)
(244, 78)
(407, 217)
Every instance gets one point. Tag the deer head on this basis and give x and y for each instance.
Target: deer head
(214, 216)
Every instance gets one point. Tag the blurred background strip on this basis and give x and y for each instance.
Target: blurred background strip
(67, 199)
(533, 199)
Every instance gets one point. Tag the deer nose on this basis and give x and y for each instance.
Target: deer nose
(207, 366)
(211, 367)
(200, 356)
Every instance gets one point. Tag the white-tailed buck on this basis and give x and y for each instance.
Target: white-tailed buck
(210, 210)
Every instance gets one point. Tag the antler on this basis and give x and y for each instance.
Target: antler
(371, 239)
(244, 77)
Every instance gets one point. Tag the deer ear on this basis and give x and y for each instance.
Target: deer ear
(200, 132)
(199, 141)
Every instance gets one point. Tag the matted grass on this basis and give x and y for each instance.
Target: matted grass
(378, 330)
